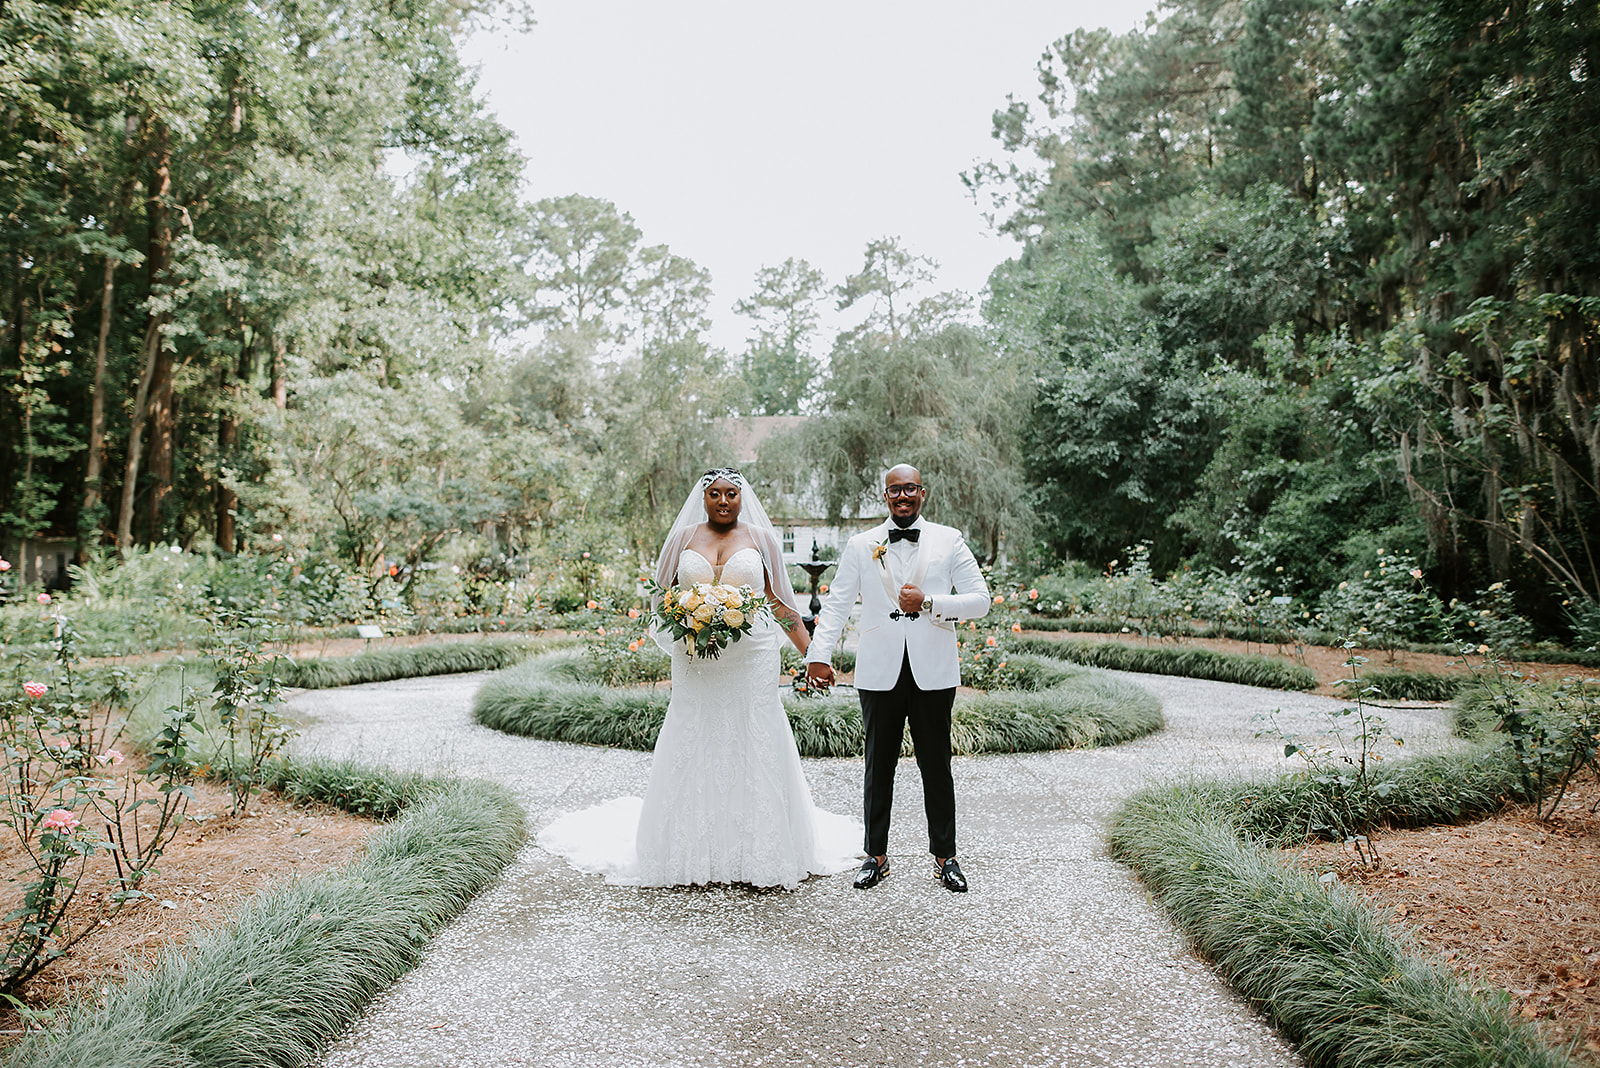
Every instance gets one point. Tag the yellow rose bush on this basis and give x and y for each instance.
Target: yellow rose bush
(708, 618)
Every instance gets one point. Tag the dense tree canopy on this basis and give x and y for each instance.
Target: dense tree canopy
(1297, 280)
(1372, 228)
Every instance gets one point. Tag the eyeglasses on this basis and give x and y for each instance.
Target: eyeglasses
(909, 489)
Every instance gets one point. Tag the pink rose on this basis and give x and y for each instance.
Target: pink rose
(35, 690)
(592, 605)
(62, 819)
(633, 613)
(5, 565)
(44, 598)
(111, 757)
(1033, 595)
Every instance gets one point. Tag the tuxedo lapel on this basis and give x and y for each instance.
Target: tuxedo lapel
(885, 567)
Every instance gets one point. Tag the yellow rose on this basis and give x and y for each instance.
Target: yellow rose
(733, 618)
(690, 599)
(704, 613)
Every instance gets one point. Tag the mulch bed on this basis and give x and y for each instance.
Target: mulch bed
(1512, 902)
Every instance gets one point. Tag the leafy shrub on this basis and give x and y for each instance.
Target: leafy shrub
(1552, 729)
(1390, 601)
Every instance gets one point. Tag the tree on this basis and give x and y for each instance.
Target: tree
(888, 275)
(778, 367)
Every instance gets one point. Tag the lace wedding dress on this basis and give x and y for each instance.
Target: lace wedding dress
(727, 801)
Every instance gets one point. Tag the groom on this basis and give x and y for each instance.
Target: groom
(904, 572)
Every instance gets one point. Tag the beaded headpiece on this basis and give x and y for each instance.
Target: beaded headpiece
(731, 474)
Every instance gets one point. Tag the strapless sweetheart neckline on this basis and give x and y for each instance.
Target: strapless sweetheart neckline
(729, 560)
(718, 570)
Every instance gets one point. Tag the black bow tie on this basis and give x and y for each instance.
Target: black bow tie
(908, 533)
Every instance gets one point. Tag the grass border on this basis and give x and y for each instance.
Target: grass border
(1068, 707)
(1262, 635)
(1247, 669)
(282, 979)
(406, 662)
(1327, 968)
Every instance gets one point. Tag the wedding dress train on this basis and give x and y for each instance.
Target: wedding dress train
(727, 800)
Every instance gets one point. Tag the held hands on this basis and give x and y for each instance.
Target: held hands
(820, 675)
(910, 598)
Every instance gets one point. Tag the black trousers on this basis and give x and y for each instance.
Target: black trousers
(885, 714)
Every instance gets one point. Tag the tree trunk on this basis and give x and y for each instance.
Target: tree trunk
(227, 500)
(280, 385)
(227, 436)
(93, 490)
(97, 412)
(141, 404)
(162, 416)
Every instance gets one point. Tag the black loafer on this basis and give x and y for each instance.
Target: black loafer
(949, 873)
(872, 873)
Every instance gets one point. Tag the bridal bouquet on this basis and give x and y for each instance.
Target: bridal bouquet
(706, 617)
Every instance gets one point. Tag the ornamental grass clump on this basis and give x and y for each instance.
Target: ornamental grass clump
(1247, 670)
(291, 971)
(1327, 969)
(1057, 706)
(1397, 685)
(415, 661)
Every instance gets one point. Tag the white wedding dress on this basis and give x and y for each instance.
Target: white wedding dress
(727, 800)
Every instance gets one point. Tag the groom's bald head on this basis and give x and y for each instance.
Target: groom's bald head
(902, 473)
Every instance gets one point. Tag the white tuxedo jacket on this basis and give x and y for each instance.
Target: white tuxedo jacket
(945, 570)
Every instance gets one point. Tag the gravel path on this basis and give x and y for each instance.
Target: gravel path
(1056, 957)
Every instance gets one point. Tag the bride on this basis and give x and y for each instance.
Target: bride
(727, 801)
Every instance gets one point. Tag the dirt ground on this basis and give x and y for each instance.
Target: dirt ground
(1512, 902)
(213, 864)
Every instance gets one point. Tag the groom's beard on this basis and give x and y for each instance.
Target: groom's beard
(904, 521)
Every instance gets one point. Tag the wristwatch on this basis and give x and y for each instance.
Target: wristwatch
(927, 605)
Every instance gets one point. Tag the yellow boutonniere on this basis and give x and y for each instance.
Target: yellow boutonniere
(880, 550)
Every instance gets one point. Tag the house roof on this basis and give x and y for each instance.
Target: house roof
(747, 433)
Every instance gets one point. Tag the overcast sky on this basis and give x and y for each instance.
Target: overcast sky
(742, 133)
